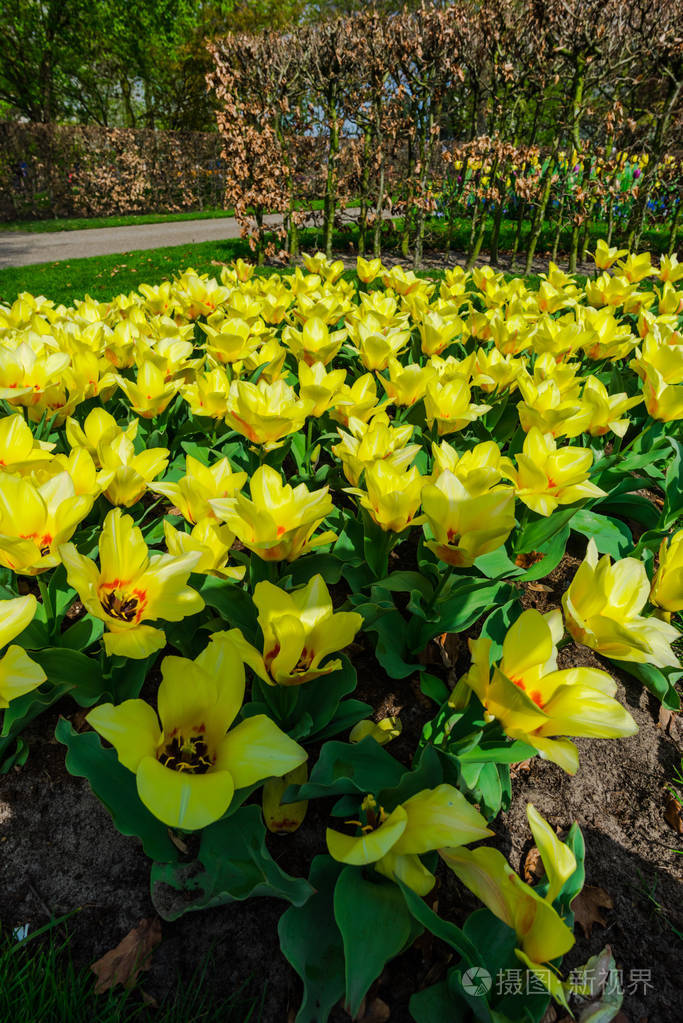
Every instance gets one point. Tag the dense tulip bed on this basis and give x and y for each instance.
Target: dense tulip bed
(209, 491)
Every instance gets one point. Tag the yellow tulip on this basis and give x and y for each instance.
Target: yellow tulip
(448, 404)
(368, 269)
(99, 427)
(406, 385)
(26, 377)
(670, 269)
(605, 256)
(602, 610)
(382, 731)
(374, 442)
(438, 332)
(465, 525)
(392, 495)
(599, 411)
(231, 340)
(480, 469)
(131, 473)
(536, 703)
(660, 367)
(130, 587)
(265, 413)
(318, 387)
(189, 761)
(314, 342)
(358, 401)
(667, 585)
(278, 522)
(636, 268)
(18, 673)
(151, 392)
(36, 519)
(547, 476)
(394, 842)
(493, 372)
(376, 346)
(211, 541)
(300, 630)
(192, 493)
(540, 930)
(19, 451)
(207, 395)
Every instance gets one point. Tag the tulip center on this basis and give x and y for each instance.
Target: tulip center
(190, 753)
(122, 605)
(532, 694)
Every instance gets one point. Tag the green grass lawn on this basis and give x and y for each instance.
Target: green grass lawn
(129, 219)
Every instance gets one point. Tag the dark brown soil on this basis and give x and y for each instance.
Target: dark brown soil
(61, 852)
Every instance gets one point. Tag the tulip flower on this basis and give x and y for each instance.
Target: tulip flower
(19, 451)
(232, 339)
(372, 442)
(26, 377)
(211, 541)
(448, 404)
(18, 673)
(404, 282)
(667, 585)
(465, 525)
(660, 367)
(407, 385)
(265, 413)
(605, 256)
(540, 930)
(494, 373)
(547, 476)
(208, 394)
(130, 587)
(301, 629)
(193, 491)
(189, 761)
(98, 428)
(278, 522)
(375, 346)
(368, 269)
(131, 473)
(599, 411)
(536, 703)
(36, 518)
(320, 264)
(392, 495)
(480, 469)
(150, 393)
(438, 332)
(318, 387)
(393, 842)
(636, 268)
(314, 342)
(358, 401)
(602, 610)
(670, 269)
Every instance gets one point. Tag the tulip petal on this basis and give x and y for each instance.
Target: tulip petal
(132, 728)
(558, 859)
(18, 675)
(137, 643)
(15, 615)
(369, 846)
(440, 817)
(407, 868)
(183, 800)
(257, 749)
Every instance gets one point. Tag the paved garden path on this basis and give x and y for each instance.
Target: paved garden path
(19, 248)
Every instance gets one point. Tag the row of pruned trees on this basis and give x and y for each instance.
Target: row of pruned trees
(566, 110)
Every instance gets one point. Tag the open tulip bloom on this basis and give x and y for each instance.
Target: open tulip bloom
(393, 842)
(541, 931)
(602, 610)
(300, 629)
(130, 587)
(188, 761)
(534, 701)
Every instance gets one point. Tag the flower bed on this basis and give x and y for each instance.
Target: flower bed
(226, 508)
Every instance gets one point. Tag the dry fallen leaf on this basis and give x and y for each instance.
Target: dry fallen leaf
(587, 905)
(533, 869)
(673, 814)
(122, 964)
(527, 560)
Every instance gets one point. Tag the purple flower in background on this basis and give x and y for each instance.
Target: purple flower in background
(636, 174)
